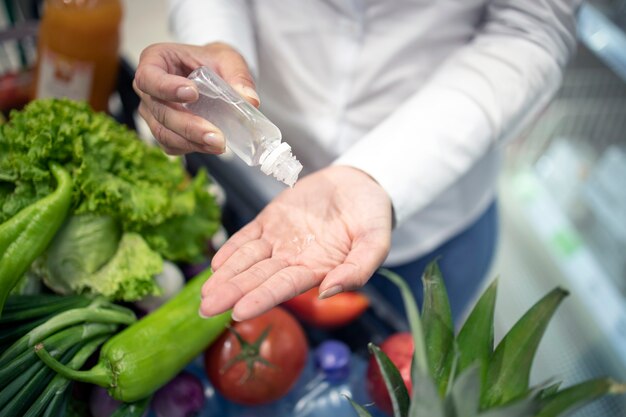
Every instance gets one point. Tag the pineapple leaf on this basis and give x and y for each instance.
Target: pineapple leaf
(550, 390)
(509, 368)
(393, 381)
(525, 407)
(438, 327)
(360, 410)
(464, 396)
(425, 400)
(475, 340)
(576, 396)
(420, 360)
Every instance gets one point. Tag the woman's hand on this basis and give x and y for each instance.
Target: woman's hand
(333, 229)
(162, 85)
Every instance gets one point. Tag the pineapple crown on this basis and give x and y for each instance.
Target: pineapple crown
(463, 375)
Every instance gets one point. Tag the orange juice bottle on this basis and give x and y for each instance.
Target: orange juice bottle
(78, 50)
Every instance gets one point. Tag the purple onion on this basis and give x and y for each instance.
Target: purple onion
(101, 404)
(183, 396)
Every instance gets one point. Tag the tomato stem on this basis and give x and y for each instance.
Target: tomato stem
(250, 353)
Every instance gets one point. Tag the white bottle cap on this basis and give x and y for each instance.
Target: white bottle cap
(279, 162)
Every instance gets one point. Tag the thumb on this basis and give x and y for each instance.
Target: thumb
(235, 71)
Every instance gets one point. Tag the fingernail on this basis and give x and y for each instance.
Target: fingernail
(235, 317)
(202, 315)
(330, 292)
(249, 93)
(213, 139)
(187, 93)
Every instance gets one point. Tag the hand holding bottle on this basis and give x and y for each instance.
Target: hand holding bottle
(333, 229)
(162, 85)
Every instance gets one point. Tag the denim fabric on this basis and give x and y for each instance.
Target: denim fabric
(464, 261)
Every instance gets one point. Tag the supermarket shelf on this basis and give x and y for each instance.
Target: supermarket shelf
(584, 275)
(603, 37)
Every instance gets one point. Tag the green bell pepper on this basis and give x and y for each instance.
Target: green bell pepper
(27, 234)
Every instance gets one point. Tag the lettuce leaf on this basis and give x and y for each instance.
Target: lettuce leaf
(114, 172)
(132, 206)
(84, 244)
(90, 255)
(129, 274)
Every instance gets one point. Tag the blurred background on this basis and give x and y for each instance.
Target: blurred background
(562, 195)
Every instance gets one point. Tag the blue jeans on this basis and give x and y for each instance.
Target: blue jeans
(464, 261)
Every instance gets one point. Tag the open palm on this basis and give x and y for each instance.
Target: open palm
(333, 229)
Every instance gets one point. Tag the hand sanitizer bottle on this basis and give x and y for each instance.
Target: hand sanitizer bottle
(248, 133)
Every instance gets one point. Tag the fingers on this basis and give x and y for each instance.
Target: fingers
(176, 129)
(162, 86)
(246, 256)
(251, 231)
(233, 289)
(366, 255)
(153, 79)
(282, 286)
(161, 93)
(234, 70)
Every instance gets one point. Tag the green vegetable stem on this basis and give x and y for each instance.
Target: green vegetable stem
(71, 327)
(51, 400)
(27, 234)
(99, 311)
(143, 357)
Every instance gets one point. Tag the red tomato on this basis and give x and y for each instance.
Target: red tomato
(399, 347)
(267, 366)
(336, 311)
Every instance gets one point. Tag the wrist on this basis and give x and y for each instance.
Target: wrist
(350, 174)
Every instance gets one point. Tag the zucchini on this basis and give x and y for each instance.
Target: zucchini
(144, 356)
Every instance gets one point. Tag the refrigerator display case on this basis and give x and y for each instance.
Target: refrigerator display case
(563, 197)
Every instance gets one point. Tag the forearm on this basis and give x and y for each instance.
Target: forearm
(484, 93)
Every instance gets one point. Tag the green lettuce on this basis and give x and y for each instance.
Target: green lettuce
(89, 256)
(129, 274)
(83, 245)
(116, 176)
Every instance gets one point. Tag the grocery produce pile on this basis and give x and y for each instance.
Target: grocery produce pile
(90, 212)
(131, 206)
(93, 223)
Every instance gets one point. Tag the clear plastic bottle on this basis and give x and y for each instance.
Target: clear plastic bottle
(249, 134)
(338, 374)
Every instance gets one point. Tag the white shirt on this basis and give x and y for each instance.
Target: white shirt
(419, 94)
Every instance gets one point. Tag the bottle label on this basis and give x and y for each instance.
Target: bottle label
(61, 76)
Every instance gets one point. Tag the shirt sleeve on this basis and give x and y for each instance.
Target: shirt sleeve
(199, 22)
(483, 93)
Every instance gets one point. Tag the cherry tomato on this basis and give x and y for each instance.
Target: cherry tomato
(336, 311)
(399, 347)
(258, 360)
